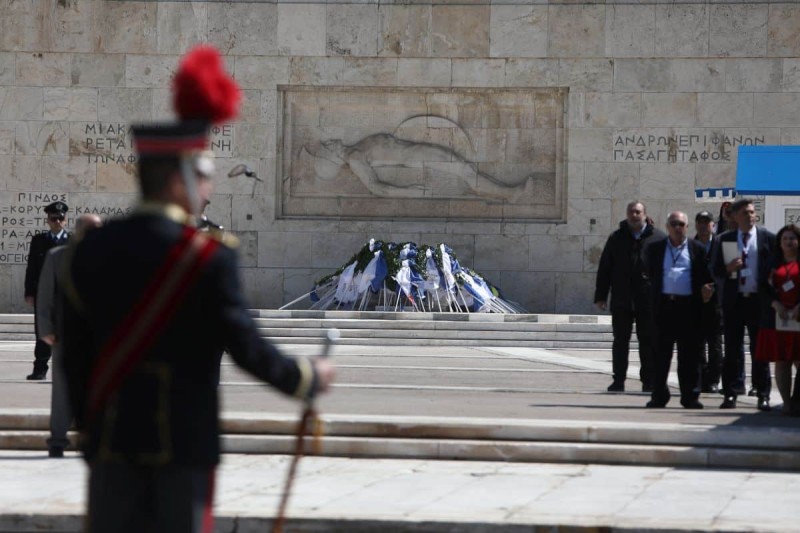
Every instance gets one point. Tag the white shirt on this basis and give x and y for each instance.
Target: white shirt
(677, 269)
(750, 271)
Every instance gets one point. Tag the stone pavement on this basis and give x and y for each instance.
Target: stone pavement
(356, 495)
(510, 387)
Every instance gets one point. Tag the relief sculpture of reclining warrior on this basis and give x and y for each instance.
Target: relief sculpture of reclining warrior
(444, 172)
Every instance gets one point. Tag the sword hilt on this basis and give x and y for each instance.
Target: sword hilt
(331, 336)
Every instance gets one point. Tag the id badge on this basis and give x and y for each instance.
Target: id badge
(789, 285)
(674, 274)
(745, 272)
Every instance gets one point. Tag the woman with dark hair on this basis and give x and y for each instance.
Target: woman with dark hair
(779, 336)
(724, 221)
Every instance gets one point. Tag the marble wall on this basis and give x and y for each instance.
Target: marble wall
(660, 94)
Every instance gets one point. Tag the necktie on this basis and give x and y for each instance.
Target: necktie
(745, 239)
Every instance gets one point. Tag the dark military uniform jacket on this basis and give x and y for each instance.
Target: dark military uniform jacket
(41, 243)
(166, 410)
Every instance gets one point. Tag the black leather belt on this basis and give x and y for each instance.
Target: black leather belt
(676, 297)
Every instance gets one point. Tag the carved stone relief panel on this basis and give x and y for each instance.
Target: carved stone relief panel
(423, 153)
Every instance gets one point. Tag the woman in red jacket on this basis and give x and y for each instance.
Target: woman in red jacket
(779, 338)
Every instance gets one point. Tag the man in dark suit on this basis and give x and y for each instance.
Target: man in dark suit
(741, 306)
(150, 302)
(680, 283)
(621, 272)
(41, 243)
(711, 319)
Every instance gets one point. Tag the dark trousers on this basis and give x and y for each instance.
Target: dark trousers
(41, 352)
(711, 323)
(744, 313)
(622, 321)
(677, 325)
(126, 498)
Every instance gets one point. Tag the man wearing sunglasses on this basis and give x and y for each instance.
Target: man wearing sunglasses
(41, 243)
(681, 283)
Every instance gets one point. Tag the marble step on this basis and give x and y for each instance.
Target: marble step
(438, 325)
(435, 329)
(427, 316)
(697, 445)
(483, 335)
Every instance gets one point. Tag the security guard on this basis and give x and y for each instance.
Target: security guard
(151, 301)
(41, 243)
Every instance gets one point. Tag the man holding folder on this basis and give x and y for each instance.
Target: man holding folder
(743, 262)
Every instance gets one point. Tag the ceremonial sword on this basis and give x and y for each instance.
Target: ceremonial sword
(309, 426)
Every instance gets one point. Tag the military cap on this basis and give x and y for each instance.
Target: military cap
(704, 215)
(56, 208)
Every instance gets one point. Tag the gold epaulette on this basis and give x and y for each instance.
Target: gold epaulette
(228, 239)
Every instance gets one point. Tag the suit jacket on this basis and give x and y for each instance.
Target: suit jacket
(767, 248)
(710, 256)
(48, 308)
(654, 262)
(166, 410)
(41, 243)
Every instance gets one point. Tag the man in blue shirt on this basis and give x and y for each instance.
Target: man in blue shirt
(680, 283)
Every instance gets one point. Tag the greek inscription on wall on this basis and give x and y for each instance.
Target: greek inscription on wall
(791, 216)
(671, 147)
(22, 216)
(113, 143)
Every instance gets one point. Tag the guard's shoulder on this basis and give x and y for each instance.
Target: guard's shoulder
(223, 237)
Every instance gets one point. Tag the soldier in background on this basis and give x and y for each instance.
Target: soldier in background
(41, 243)
(141, 354)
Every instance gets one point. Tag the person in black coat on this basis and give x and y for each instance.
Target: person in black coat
(741, 306)
(680, 284)
(711, 320)
(621, 272)
(41, 243)
(150, 303)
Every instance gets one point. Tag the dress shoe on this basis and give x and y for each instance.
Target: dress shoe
(36, 376)
(647, 387)
(713, 388)
(729, 403)
(763, 404)
(752, 392)
(616, 386)
(55, 452)
(694, 404)
(653, 404)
